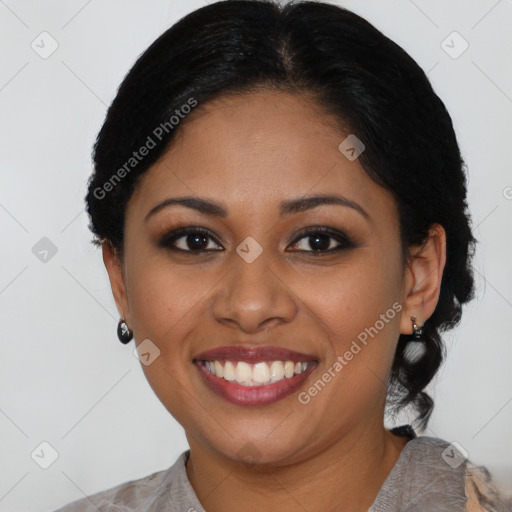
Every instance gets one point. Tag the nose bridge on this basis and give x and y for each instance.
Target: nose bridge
(253, 293)
(251, 273)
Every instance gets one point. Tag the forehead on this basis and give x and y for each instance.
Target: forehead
(255, 150)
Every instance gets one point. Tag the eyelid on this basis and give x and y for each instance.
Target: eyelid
(175, 234)
(343, 239)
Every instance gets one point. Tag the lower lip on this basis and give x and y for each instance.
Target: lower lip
(254, 395)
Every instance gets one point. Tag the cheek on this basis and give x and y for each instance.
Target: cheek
(165, 306)
(349, 299)
(363, 313)
(358, 308)
(165, 301)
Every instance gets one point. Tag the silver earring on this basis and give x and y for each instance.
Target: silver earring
(416, 348)
(123, 332)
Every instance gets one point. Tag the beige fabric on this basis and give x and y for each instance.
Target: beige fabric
(483, 495)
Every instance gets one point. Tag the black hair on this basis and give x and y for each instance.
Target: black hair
(365, 80)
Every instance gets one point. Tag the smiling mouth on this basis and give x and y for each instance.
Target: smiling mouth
(254, 376)
(257, 374)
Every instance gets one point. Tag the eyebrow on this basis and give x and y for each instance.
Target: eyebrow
(289, 207)
(306, 203)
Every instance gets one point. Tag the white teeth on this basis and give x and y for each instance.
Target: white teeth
(218, 369)
(276, 371)
(229, 371)
(261, 373)
(257, 374)
(289, 369)
(243, 372)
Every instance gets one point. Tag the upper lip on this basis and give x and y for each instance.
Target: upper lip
(252, 354)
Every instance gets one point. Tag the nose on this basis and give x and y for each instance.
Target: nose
(254, 297)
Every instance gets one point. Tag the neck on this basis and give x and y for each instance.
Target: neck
(351, 472)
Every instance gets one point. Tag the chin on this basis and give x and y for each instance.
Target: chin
(257, 448)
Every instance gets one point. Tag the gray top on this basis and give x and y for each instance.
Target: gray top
(430, 475)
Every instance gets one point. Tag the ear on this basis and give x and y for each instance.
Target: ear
(114, 268)
(422, 283)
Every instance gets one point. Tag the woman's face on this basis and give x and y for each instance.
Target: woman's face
(260, 294)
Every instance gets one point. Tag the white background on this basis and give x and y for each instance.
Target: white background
(65, 378)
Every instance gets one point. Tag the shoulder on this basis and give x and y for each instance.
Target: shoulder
(433, 474)
(140, 494)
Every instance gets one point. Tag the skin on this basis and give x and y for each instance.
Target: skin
(249, 153)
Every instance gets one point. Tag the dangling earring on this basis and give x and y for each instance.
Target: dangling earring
(123, 332)
(415, 349)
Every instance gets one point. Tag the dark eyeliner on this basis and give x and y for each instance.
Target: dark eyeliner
(167, 240)
(340, 237)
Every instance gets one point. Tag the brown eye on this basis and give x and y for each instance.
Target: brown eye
(318, 240)
(189, 239)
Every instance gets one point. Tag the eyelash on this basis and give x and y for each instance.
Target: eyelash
(169, 238)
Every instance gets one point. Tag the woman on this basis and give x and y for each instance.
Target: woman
(281, 204)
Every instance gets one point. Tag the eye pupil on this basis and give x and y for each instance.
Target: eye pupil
(197, 241)
(322, 242)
